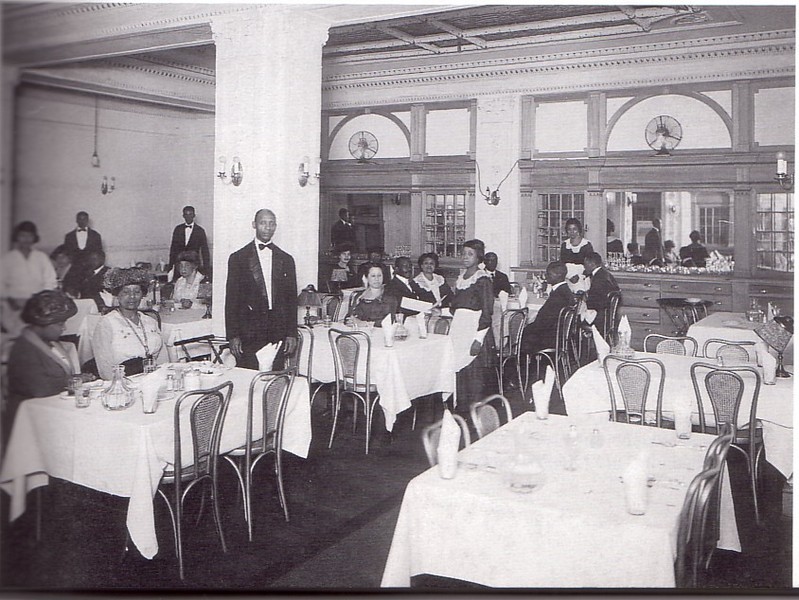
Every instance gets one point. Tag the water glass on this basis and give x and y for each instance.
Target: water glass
(682, 424)
(75, 386)
(83, 398)
(327, 320)
(149, 365)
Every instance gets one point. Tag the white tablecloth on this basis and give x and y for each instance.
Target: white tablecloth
(587, 392)
(411, 368)
(533, 306)
(175, 325)
(125, 452)
(572, 532)
(734, 327)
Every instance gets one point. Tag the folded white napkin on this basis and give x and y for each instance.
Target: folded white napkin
(523, 297)
(108, 298)
(624, 326)
(635, 484)
(602, 347)
(228, 359)
(448, 444)
(542, 392)
(150, 384)
(389, 329)
(266, 356)
(768, 362)
(589, 316)
(503, 300)
(421, 326)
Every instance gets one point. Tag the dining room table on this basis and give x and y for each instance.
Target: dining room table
(573, 529)
(177, 324)
(587, 393)
(125, 452)
(411, 368)
(734, 327)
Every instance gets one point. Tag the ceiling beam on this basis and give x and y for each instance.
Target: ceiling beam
(458, 33)
(392, 31)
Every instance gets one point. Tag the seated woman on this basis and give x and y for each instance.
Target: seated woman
(434, 287)
(67, 275)
(188, 284)
(670, 257)
(694, 254)
(371, 305)
(342, 275)
(126, 336)
(38, 364)
(634, 254)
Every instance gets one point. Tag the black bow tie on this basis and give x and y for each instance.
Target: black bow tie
(187, 226)
(81, 229)
(270, 245)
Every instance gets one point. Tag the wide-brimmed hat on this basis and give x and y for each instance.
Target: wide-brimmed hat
(48, 307)
(28, 226)
(116, 279)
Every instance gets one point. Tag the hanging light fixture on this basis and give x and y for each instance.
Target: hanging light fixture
(95, 157)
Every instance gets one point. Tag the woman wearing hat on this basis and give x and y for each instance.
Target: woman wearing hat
(343, 275)
(188, 284)
(126, 336)
(39, 365)
(25, 272)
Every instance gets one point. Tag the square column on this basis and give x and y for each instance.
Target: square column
(268, 115)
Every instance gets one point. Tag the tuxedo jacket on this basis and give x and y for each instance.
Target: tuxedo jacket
(501, 282)
(341, 233)
(542, 332)
(94, 242)
(398, 290)
(602, 283)
(247, 315)
(92, 285)
(197, 242)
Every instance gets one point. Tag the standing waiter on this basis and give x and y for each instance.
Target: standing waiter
(189, 236)
(261, 296)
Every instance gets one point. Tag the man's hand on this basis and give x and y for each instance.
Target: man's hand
(289, 345)
(475, 349)
(235, 347)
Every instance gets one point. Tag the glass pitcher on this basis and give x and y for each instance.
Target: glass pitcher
(119, 395)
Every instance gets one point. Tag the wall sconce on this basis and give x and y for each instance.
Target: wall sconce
(108, 186)
(784, 178)
(673, 209)
(236, 171)
(492, 197)
(304, 174)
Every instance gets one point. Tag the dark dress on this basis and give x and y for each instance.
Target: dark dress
(478, 379)
(352, 279)
(374, 310)
(694, 255)
(568, 256)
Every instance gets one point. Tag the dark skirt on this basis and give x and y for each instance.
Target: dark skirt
(478, 380)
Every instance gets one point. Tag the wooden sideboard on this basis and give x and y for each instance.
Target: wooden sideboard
(641, 291)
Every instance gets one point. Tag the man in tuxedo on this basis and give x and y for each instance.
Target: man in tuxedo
(342, 231)
(402, 285)
(81, 241)
(94, 276)
(653, 245)
(261, 296)
(541, 333)
(499, 279)
(189, 236)
(602, 283)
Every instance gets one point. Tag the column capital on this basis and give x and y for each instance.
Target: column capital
(264, 23)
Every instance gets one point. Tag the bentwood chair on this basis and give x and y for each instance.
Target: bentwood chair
(331, 305)
(269, 394)
(612, 316)
(667, 344)
(728, 389)
(307, 341)
(432, 434)
(485, 416)
(198, 348)
(352, 357)
(561, 356)
(199, 415)
(731, 352)
(632, 378)
(511, 326)
(438, 324)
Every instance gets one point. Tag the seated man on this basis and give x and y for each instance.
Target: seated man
(602, 283)
(635, 254)
(500, 280)
(92, 284)
(541, 333)
(402, 286)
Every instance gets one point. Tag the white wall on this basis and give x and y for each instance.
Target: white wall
(561, 126)
(162, 159)
(774, 116)
(447, 132)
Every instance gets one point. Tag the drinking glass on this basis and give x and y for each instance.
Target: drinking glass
(83, 398)
(572, 443)
(74, 386)
(149, 365)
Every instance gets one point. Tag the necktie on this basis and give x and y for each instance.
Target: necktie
(262, 246)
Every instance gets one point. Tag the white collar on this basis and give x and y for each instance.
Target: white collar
(426, 283)
(402, 279)
(557, 285)
(576, 248)
(462, 283)
(595, 270)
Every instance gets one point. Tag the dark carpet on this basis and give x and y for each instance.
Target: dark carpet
(343, 505)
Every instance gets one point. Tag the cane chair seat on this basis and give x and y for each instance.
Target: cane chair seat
(731, 352)
(668, 344)
(485, 416)
(631, 378)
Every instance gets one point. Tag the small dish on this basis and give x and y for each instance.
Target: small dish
(693, 300)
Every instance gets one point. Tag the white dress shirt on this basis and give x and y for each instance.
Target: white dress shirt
(82, 236)
(187, 229)
(265, 258)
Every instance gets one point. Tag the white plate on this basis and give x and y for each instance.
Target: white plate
(693, 300)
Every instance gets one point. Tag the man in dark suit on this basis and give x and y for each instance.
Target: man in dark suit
(499, 279)
(261, 296)
(81, 241)
(189, 236)
(402, 285)
(602, 283)
(541, 333)
(342, 231)
(92, 284)
(653, 245)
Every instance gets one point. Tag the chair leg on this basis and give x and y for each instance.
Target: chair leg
(217, 514)
(38, 514)
(281, 493)
(354, 414)
(336, 406)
